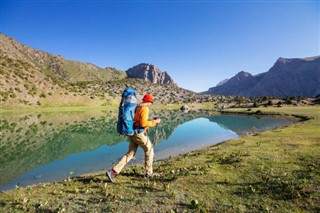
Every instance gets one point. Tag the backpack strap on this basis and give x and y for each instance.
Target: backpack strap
(138, 129)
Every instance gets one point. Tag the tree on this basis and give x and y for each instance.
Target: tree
(255, 104)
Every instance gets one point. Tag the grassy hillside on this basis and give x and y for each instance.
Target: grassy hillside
(30, 77)
(273, 171)
(23, 84)
(56, 66)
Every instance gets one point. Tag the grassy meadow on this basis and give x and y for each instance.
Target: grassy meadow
(272, 171)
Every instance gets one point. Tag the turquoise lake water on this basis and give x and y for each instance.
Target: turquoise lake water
(46, 147)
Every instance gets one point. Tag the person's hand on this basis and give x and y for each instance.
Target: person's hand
(158, 120)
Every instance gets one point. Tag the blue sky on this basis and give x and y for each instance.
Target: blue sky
(199, 43)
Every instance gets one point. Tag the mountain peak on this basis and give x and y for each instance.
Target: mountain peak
(149, 72)
(283, 60)
(242, 75)
(287, 77)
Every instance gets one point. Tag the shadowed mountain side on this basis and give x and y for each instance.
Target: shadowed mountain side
(287, 77)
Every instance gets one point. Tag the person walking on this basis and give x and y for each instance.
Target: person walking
(140, 138)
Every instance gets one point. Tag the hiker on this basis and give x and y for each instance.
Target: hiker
(140, 138)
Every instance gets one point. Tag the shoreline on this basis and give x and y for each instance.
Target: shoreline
(309, 118)
(162, 155)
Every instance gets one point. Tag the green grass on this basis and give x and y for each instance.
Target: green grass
(273, 171)
(56, 109)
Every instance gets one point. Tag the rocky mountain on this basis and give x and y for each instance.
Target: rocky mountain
(149, 73)
(30, 77)
(287, 77)
(222, 82)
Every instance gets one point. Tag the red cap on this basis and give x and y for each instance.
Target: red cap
(148, 98)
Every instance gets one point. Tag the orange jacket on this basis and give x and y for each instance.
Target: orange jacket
(141, 117)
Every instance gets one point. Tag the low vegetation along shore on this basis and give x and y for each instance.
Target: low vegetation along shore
(273, 171)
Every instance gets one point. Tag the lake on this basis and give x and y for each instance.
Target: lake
(49, 146)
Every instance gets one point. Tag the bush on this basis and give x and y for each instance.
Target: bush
(13, 95)
(279, 104)
(18, 89)
(269, 103)
(289, 102)
(289, 99)
(42, 95)
(27, 86)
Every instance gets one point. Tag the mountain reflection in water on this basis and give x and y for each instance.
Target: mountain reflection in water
(43, 147)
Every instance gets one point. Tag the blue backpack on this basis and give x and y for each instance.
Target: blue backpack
(126, 112)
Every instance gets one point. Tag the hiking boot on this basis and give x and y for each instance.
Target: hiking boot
(111, 175)
(152, 175)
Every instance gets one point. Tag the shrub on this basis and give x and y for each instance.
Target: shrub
(289, 102)
(13, 95)
(269, 103)
(279, 104)
(42, 95)
(18, 89)
(27, 86)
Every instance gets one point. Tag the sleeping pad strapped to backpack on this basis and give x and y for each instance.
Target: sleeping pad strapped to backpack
(126, 112)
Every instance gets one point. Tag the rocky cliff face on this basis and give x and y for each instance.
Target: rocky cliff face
(149, 73)
(287, 77)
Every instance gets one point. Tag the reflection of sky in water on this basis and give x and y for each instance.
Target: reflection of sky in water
(189, 136)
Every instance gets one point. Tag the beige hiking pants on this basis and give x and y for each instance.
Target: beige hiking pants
(137, 140)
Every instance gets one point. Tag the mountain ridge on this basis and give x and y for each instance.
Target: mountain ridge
(31, 77)
(287, 77)
(55, 65)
